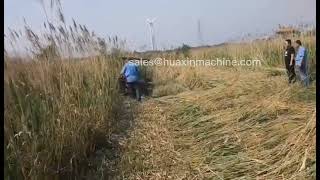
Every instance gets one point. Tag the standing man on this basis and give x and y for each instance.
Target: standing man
(302, 63)
(131, 73)
(289, 61)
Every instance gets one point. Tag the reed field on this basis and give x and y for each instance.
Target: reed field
(56, 113)
(58, 110)
(200, 123)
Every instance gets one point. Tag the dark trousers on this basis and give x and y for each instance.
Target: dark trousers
(291, 72)
(134, 88)
(122, 85)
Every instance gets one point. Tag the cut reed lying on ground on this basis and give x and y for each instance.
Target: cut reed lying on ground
(229, 123)
(248, 126)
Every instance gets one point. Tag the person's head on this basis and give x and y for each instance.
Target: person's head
(288, 42)
(125, 59)
(298, 43)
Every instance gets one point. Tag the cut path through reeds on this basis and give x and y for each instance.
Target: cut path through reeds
(246, 125)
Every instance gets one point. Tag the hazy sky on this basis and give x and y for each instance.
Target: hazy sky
(176, 23)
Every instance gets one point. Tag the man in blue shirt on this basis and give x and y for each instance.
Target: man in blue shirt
(131, 73)
(302, 63)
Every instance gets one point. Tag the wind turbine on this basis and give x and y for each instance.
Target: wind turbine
(200, 39)
(152, 36)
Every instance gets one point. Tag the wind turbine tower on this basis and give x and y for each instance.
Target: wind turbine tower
(199, 33)
(152, 36)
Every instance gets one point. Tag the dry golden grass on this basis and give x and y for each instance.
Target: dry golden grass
(59, 108)
(248, 126)
(226, 122)
(56, 113)
(218, 123)
(270, 52)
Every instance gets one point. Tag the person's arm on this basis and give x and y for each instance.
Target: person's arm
(303, 61)
(292, 58)
(139, 71)
(299, 57)
(123, 69)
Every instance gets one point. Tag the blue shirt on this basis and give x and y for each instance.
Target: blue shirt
(131, 72)
(301, 55)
